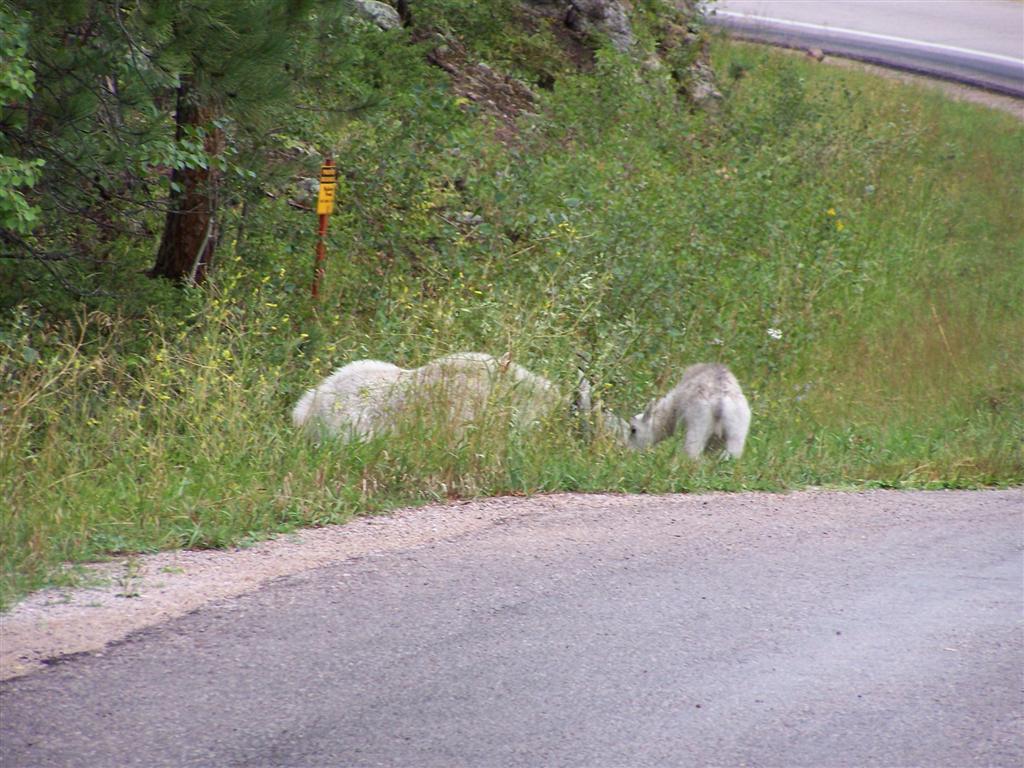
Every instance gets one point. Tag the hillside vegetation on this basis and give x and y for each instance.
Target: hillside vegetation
(851, 248)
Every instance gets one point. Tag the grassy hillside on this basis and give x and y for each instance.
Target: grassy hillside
(852, 248)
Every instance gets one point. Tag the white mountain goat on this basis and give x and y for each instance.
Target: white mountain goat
(369, 397)
(708, 399)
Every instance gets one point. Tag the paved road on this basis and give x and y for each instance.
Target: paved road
(812, 629)
(980, 42)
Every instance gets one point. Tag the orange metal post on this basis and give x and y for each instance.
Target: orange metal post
(318, 267)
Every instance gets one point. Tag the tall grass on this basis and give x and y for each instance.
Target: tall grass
(851, 248)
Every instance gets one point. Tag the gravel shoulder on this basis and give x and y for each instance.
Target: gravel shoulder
(131, 594)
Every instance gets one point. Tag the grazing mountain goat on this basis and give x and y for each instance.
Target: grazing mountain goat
(368, 397)
(710, 402)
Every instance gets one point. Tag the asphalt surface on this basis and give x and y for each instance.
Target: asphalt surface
(976, 42)
(813, 629)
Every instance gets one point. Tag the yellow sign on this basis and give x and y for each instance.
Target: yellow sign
(328, 185)
(325, 200)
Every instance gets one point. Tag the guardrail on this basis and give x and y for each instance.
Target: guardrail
(1000, 74)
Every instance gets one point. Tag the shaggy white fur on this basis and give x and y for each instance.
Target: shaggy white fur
(709, 401)
(368, 397)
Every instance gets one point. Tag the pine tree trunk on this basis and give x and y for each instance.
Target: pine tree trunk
(404, 12)
(190, 231)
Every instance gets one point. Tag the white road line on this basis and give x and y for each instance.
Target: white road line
(872, 36)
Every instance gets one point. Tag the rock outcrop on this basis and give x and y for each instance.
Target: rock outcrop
(381, 14)
(586, 17)
(680, 45)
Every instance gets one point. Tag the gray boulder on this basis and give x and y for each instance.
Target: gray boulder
(607, 17)
(381, 14)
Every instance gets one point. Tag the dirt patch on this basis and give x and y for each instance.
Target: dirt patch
(498, 96)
